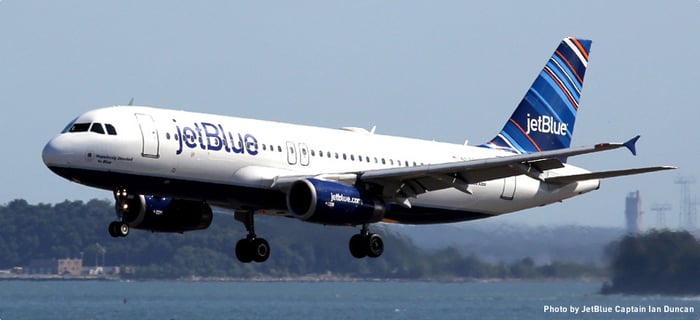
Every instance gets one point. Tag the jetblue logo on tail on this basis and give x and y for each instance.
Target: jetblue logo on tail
(545, 124)
(545, 117)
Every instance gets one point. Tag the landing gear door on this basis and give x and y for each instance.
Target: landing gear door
(149, 134)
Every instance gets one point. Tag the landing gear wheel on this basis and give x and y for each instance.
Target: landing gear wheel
(249, 250)
(357, 247)
(366, 245)
(260, 249)
(114, 229)
(375, 245)
(118, 229)
(123, 229)
(243, 252)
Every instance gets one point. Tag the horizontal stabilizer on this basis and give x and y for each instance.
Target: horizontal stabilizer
(603, 175)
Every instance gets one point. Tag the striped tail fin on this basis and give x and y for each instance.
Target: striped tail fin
(544, 119)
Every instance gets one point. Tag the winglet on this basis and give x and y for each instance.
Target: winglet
(631, 145)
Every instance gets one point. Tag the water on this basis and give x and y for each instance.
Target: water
(57, 300)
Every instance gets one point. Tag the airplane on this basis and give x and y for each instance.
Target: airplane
(167, 168)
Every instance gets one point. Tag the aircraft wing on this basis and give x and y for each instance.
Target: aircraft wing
(405, 182)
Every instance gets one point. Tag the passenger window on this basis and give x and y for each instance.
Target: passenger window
(110, 129)
(97, 128)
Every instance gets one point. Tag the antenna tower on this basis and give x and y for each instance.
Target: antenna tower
(661, 209)
(687, 216)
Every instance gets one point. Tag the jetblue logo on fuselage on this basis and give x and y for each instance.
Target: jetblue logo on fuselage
(209, 136)
(545, 124)
(339, 197)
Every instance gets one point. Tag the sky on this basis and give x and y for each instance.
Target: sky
(448, 71)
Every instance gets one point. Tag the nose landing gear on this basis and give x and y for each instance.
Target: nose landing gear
(120, 228)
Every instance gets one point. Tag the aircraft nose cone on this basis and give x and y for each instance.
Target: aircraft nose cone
(48, 155)
(54, 152)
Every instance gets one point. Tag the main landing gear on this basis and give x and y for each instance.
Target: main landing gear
(366, 244)
(251, 248)
(120, 228)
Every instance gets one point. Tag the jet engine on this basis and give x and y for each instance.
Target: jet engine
(164, 214)
(332, 203)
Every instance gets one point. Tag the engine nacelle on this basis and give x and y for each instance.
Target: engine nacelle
(334, 203)
(164, 214)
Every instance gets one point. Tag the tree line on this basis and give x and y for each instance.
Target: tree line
(73, 228)
(657, 262)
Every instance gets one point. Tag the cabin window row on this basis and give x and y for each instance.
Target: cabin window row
(314, 153)
(359, 158)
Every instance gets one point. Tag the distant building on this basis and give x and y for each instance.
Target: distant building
(633, 212)
(73, 267)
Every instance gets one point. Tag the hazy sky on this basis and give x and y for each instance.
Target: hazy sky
(441, 70)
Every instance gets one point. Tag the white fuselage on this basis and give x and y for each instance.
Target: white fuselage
(169, 149)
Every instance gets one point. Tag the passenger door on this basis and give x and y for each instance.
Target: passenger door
(149, 136)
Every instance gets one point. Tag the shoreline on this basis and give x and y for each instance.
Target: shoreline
(306, 278)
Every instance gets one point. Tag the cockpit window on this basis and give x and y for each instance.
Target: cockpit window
(110, 129)
(97, 127)
(70, 125)
(79, 127)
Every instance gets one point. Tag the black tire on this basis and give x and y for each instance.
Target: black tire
(114, 229)
(358, 248)
(260, 250)
(375, 245)
(243, 251)
(123, 229)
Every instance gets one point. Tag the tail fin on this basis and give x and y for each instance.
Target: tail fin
(544, 119)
